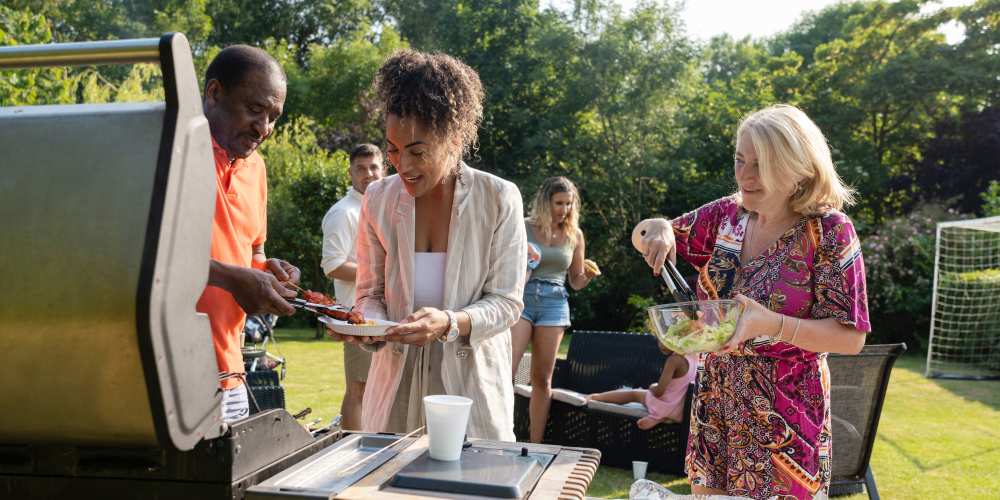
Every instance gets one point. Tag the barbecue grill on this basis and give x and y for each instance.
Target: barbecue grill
(111, 378)
(110, 374)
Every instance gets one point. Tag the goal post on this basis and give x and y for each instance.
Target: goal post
(965, 307)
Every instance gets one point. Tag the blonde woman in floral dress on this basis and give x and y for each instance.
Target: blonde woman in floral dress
(760, 422)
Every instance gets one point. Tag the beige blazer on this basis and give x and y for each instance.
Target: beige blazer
(487, 252)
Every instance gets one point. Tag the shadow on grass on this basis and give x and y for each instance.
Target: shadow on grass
(986, 392)
(931, 466)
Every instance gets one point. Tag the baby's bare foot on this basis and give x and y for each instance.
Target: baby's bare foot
(647, 423)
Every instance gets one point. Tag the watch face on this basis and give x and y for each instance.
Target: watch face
(452, 333)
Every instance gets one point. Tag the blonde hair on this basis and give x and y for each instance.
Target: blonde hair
(541, 208)
(791, 151)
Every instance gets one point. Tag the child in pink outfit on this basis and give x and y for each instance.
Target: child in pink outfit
(664, 400)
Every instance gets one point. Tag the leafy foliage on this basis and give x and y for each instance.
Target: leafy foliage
(87, 20)
(30, 86)
(638, 115)
(991, 199)
(335, 90)
(304, 180)
(301, 23)
(962, 159)
(899, 261)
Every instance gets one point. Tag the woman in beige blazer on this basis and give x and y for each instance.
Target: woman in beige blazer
(441, 249)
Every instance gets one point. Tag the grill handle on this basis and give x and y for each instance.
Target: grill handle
(140, 50)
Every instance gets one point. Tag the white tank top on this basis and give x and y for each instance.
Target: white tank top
(428, 279)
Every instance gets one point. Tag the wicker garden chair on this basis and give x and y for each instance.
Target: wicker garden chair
(857, 391)
(603, 361)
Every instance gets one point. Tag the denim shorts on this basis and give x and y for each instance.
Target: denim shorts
(545, 303)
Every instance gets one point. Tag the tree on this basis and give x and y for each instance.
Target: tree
(303, 180)
(334, 89)
(88, 20)
(30, 86)
(523, 58)
(961, 160)
(976, 56)
(80, 20)
(877, 92)
(816, 29)
(736, 77)
(301, 23)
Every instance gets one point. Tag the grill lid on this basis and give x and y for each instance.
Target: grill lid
(107, 215)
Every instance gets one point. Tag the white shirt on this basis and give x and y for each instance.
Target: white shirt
(428, 279)
(340, 231)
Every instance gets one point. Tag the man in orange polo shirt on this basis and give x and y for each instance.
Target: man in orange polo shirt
(244, 96)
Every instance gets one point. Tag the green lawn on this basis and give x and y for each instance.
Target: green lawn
(315, 376)
(936, 439)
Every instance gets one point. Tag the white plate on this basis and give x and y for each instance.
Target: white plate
(345, 328)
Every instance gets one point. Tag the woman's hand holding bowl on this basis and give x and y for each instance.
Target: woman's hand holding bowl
(755, 321)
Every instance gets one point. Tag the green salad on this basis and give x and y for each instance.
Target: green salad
(692, 335)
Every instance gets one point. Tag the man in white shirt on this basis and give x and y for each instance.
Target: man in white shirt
(340, 230)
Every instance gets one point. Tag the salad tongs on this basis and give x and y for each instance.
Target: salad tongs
(678, 286)
(676, 283)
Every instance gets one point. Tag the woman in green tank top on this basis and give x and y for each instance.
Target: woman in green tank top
(553, 227)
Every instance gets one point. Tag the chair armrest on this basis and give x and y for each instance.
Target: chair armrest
(523, 390)
(634, 411)
(569, 397)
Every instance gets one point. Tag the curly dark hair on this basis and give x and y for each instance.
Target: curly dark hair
(441, 92)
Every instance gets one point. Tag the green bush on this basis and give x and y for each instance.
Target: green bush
(980, 331)
(304, 180)
(985, 277)
(899, 261)
(991, 199)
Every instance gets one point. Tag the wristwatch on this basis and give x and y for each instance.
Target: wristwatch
(452, 333)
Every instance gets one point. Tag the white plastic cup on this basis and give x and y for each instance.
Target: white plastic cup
(639, 470)
(447, 419)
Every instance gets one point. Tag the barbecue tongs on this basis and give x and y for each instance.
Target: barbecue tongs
(316, 308)
(319, 309)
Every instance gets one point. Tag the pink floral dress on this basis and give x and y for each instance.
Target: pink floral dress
(760, 423)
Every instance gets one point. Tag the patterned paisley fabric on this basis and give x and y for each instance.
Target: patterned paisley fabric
(760, 423)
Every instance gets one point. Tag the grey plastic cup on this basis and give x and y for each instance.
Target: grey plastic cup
(639, 470)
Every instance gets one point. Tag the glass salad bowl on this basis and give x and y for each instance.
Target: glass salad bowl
(699, 326)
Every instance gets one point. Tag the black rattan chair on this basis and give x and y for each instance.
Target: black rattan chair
(603, 361)
(266, 389)
(857, 391)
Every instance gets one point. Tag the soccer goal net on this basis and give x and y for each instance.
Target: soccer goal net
(965, 310)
